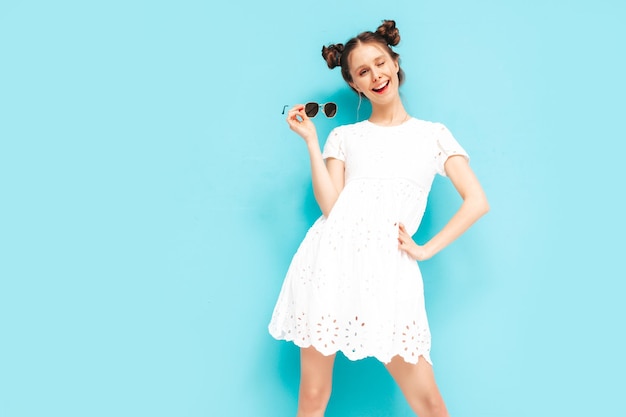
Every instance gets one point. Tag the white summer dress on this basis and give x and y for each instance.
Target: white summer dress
(349, 288)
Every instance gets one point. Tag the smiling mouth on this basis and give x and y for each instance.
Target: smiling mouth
(381, 88)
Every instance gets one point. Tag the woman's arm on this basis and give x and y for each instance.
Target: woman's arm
(327, 178)
(474, 206)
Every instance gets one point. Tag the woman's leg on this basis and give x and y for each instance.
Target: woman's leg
(417, 383)
(316, 377)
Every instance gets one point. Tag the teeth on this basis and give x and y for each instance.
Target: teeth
(380, 87)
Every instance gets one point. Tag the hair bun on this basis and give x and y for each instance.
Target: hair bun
(332, 55)
(389, 32)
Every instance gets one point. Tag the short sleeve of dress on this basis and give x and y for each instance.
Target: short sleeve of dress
(333, 148)
(447, 146)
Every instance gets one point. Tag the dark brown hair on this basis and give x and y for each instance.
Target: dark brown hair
(387, 35)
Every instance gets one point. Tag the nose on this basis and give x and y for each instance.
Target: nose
(375, 75)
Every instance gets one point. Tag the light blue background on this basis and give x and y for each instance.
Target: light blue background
(151, 198)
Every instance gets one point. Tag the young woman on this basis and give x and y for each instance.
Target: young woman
(354, 284)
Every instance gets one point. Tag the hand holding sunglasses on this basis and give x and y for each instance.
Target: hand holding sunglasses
(312, 108)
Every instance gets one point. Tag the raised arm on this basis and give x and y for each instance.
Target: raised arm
(327, 177)
(474, 206)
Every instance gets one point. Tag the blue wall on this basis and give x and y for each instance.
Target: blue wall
(151, 198)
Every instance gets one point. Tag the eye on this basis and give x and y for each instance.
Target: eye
(363, 72)
(381, 63)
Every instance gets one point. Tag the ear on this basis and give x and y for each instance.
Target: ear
(354, 87)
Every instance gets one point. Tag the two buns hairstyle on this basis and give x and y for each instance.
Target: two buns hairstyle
(386, 35)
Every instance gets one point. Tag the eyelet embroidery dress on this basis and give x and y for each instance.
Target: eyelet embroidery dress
(348, 287)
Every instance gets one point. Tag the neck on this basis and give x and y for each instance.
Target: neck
(389, 115)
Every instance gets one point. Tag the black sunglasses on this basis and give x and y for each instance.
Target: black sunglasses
(329, 109)
(311, 109)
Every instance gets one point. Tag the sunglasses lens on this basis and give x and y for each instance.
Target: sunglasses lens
(330, 109)
(311, 109)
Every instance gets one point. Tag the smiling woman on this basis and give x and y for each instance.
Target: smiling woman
(354, 285)
(152, 197)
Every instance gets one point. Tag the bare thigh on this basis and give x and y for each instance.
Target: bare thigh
(417, 383)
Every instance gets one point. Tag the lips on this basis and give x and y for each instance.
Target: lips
(381, 88)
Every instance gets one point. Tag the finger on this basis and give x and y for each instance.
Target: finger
(298, 109)
(301, 111)
(295, 118)
(297, 115)
(293, 122)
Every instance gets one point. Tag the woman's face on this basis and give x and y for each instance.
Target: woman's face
(374, 73)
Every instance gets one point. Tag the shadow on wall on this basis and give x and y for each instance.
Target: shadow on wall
(363, 388)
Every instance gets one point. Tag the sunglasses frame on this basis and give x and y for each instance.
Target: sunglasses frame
(317, 107)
